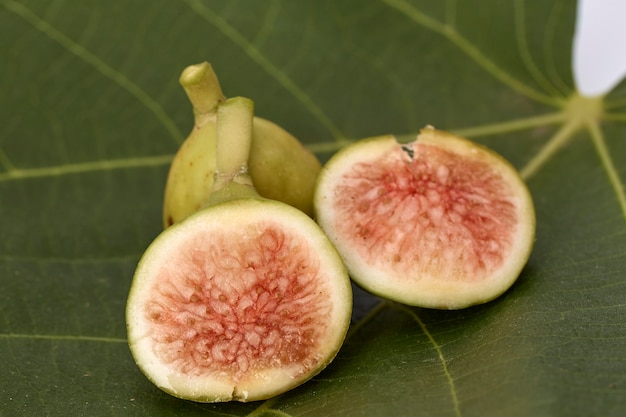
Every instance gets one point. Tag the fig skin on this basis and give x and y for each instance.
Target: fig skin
(245, 298)
(281, 167)
(439, 223)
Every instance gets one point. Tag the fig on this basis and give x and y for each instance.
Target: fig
(441, 222)
(281, 167)
(242, 300)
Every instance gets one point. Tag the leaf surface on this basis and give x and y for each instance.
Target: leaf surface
(93, 113)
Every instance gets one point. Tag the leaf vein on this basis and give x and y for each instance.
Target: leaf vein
(442, 359)
(98, 64)
(53, 337)
(131, 257)
(607, 162)
(5, 161)
(527, 59)
(80, 168)
(260, 59)
(265, 408)
(452, 35)
(511, 125)
(558, 140)
(556, 15)
(267, 23)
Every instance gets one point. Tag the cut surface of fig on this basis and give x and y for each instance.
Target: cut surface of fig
(241, 301)
(440, 222)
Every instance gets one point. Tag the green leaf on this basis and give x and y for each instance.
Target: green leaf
(92, 114)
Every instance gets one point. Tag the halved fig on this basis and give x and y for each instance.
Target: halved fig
(441, 222)
(242, 301)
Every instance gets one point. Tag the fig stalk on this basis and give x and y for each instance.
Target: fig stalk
(234, 136)
(202, 88)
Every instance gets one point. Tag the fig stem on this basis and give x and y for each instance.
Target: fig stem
(203, 89)
(234, 136)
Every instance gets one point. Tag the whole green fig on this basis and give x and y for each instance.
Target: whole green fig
(281, 167)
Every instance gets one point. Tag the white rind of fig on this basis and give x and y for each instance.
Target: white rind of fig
(440, 223)
(241, 301)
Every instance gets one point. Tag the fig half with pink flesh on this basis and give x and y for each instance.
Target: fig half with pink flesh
(241, 301)
(441, 222)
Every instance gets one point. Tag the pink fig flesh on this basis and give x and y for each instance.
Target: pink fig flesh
(242, 302)
(440, 222)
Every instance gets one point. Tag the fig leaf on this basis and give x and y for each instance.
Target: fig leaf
(92, 114)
